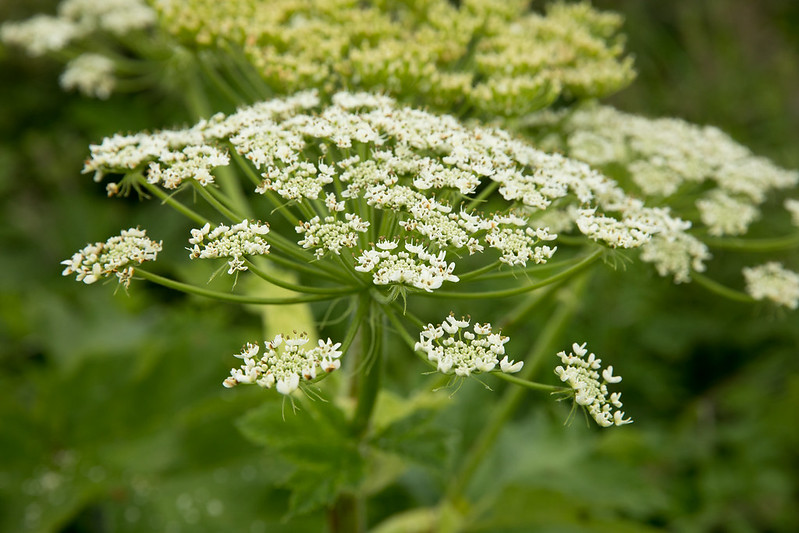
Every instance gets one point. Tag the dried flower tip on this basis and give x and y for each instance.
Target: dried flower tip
(582, 375)
(117, 256)
(285, 363)
(462, 352)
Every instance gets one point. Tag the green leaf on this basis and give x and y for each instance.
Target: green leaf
(522, 509)
(314, 438)
(417, 438)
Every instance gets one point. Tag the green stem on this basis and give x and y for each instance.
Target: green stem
(534, 269)
(560, 276)
(171, 202)
(775, 244)
(409, 340)
(246, 167)
(292, 250)
(370, 367)
(348, 514)
(511, 321)
(221, 85)
(296, 288)
(234, 193)
(533, 385)
(218, 205)
(247, 70)
(479, 271)
(553, 329)
(358, 318)
(721, 290)
(485, 193)
(308, 268)
(227, 297)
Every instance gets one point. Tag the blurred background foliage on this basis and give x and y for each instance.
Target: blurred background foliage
(113, 417)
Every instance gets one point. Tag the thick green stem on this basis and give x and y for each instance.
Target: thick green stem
(348, 514)
(370, 367)
(553, 329)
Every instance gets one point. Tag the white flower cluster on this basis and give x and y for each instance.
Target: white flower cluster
(465, 352)
(192, 149)
(284, 363)
(117, 256)
(91, 74)
(77, 19)
(667, 155)
(413, 266)
(331, 235)
(774, 282)
(518, 246)
(498, 58)
(792, 206)
(414, 171)
(193, 162)
(672, 250)
(582, 375)
(39, 34)
(724, 214)
(244, 238)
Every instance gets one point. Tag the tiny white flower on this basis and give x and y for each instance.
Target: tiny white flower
(582, 376)
(608, 376)
(774, 282)
(285, 363)
(117, 255)
(462, 352)
(510, 367)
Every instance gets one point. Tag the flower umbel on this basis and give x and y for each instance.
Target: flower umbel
(582, 375)
(244, 238)
(773, 282)
(117, 256)
(465, 352)
(284, 363)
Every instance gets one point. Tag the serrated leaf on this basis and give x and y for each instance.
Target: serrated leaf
(417, 438)
(315, 439)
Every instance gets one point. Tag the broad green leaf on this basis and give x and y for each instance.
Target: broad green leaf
(314, 438)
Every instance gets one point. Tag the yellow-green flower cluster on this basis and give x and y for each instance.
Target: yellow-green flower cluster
(493, 57)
